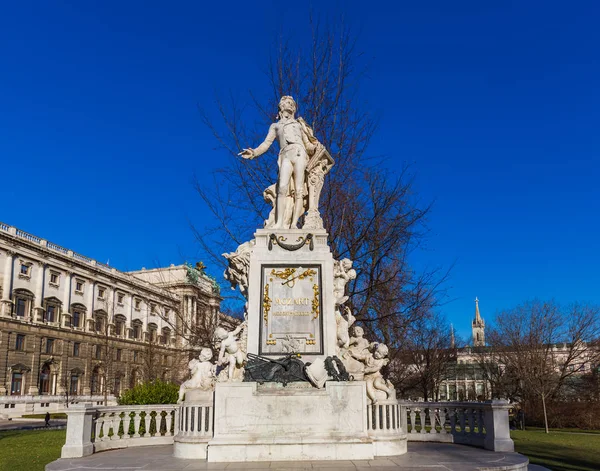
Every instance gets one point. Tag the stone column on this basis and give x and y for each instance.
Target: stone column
(497, 428)
(7, 282)
(79, 431)
(67, 294)
(89, 303)
(38, 310)
(7, 339)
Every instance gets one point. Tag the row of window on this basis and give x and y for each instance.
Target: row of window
(99, 350)
(80, 287)
(47, 383)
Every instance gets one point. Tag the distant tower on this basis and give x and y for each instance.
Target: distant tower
(452, 341)
(478, 327)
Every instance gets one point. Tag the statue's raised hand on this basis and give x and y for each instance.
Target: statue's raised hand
(247, 154)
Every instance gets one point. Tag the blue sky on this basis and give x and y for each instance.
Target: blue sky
(494, 104)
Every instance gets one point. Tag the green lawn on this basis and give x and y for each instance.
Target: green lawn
(29, 450)
(559, 451)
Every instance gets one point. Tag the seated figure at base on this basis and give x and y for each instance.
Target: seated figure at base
(378, 388)
(203, 374)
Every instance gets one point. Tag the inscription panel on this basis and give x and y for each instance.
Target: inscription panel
(291, 319)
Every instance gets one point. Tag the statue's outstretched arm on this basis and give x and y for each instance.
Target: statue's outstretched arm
(261, 149)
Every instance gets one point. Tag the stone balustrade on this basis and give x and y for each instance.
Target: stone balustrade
(480, 424)
(194, 427)
(386, 428)
(92, 428)
(389, 423)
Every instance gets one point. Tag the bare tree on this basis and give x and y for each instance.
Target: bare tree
(428, 353)
(371, 213)
(542, 345)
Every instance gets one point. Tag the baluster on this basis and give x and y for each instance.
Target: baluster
(413, 419)
(168, 420)
(461, 418)
(210, 411)
(114, 424)
(452, 413)
(393, 411)
(126, 424)
(432, 419)
(136, 424)
(442, 420)
(377, 421)
(386, 417)
(99, 422)
(471, 421)
(480, 421)
(422, 419)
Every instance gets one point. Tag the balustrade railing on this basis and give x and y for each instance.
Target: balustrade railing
(91, 429)
(95, 428)
(481, 424)
(195, 420)
(384, 418)
(27, 236)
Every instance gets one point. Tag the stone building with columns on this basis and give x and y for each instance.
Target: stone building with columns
(73, 329)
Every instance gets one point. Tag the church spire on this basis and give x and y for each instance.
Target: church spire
(452, 341)
(478, 320)
(478, 327)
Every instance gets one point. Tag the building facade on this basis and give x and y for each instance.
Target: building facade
(74, 329)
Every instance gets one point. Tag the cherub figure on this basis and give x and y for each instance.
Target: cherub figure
(377, 387)
(343, 325)
(342, 274)
(203, 374)
(230, 353)
(358, 344)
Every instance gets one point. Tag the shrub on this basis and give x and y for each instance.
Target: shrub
(153, 392)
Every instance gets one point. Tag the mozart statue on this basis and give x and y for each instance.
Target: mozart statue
(303, 163)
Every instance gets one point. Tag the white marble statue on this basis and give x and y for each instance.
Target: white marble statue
(303, 163)
(378, 388)
(203, 374)
(231, 353)
(342, 274)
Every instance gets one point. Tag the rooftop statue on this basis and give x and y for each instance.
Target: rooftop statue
(303, 163)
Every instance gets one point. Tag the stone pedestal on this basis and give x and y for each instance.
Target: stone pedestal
(271, 422)
(194, 427)
(290, 295)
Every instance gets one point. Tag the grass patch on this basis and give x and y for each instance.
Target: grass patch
(58, 415)
(29, 450)
(559, 451)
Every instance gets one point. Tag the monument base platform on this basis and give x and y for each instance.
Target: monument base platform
(272, 422)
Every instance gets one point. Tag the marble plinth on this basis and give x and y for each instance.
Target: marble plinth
(296, 422)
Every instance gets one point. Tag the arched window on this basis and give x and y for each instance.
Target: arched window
(100, 321)
(166, 336)
(74, 383)
(17, 379)
(23, 303)
(51, 309)
(152, 332)
(120, 321)
(137, 329)
(78, 315)
(45, 379)
(134, 378)
(97, 381)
